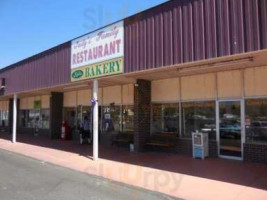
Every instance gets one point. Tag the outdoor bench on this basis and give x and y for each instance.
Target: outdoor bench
(122, 138)
(161, 140)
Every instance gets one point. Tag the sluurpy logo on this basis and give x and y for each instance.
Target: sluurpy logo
(77, 74)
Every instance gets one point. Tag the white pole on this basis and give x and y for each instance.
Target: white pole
(95, 118)
(14, 135)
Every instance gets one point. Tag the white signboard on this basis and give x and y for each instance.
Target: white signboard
(102, 45)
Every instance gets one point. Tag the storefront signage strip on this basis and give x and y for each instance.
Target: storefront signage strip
(107, 68)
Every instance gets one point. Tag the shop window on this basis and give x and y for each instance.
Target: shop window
(34, 119)
(112, 119)
(45, 118)
(198, 116)
(165, 118)
(4, 118)
(256, 121)
(128, 119)
(2, 122)
(70, 117)
(23, 118)
(82, 112)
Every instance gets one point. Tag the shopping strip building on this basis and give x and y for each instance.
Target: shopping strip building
(182, 66)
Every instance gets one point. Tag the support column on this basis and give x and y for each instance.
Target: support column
(95, 118)
(14, 130)
(56, 114)
(142, 113)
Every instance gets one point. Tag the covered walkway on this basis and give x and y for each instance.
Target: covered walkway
(171, 174)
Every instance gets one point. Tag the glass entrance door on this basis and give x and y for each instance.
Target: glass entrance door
(230, 126)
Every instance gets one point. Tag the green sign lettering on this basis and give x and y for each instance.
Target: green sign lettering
(106, 68)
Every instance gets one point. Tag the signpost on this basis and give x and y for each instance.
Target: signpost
(95, 55)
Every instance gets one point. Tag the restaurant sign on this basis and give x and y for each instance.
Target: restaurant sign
(98, 54)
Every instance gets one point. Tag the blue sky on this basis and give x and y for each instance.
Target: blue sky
(28, 27)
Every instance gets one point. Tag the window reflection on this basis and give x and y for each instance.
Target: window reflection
(82, 112)
(4, 118)
(165, 118)
(230, 128)
(45, 118)
(70, 117)
(35, 118)
(111, 119)
(199, 116)
(256, 121)
(128, 119)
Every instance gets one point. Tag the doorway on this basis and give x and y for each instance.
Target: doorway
(230, 128)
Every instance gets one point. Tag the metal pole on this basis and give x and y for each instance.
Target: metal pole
(95, 118)
(14, 134)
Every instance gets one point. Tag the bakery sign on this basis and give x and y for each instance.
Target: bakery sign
(98, 54)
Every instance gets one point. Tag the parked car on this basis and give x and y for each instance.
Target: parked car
(232, 130)
(257, 130)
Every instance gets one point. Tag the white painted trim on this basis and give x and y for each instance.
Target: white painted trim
(15, 112)
(95, 120)
(231, 157)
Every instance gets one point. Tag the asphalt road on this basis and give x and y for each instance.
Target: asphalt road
(23, 178)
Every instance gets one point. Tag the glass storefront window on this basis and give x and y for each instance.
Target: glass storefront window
(34, 118)
(23, 118)
(82, 112)
(2, 122)
(156, 125)
(165, 118)
(70, 117)
(128, 119)
(199, 116)
(45, 118)
(112, 119)
(79, 116)
(256, 121)
(4, 118)
(230, 128)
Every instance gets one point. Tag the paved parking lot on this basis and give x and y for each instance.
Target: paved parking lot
(25, 178)
(170, 174)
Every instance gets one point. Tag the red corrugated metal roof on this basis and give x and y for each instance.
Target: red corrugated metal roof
(174, 32)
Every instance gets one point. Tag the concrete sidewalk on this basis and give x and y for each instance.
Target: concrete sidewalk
(171, 174)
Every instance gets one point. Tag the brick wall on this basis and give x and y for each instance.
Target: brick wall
(142, 110)
(56, 114)
(184, 147)
(255, 153)
(213, 149)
